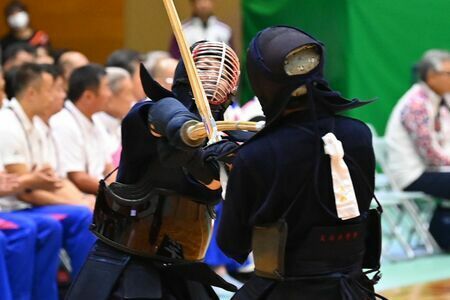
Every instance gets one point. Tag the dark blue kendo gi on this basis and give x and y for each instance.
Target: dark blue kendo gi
(281, 180)
(267, 175)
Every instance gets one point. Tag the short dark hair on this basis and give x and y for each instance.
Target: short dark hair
(13, 6)
(26, 74)
(9, 81)
(125, 59)
(84, 78)
(14, 49)
(54, 70)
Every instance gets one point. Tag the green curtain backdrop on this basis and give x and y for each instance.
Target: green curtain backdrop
(372, 45)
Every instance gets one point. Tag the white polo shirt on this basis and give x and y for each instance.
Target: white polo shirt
(113, 129)
(215, 30)
(81, 142)
(50, 153)
(20, 143)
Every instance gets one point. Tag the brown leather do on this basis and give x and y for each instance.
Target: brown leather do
(157, 223)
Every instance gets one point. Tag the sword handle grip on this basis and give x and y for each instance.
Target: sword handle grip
(193, 133)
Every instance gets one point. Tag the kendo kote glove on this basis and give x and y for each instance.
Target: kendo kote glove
(221, 151)
(167, 116)
(191, 160)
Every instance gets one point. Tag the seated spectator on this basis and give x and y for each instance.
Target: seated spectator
(5, 290)
(69, 61)
(50, 152)
(202, 26)
(31, 244)
(18, 54)
(20, 30)
(81, 141)
(129, 60)
(418, 133)
(22, 153)
(163, 71)
(119, 81)
(151, 57)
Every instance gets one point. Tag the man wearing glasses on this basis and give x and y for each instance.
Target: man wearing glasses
(418, 136)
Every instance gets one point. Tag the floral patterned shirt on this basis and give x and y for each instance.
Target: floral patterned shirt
(424, 129)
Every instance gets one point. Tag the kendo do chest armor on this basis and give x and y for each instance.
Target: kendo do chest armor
(150, 222)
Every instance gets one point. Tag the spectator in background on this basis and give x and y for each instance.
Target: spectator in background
(121, 85)
(18, 54)
(26, 244)
(151, 57)
(20, 30)
(129, 60)
(163, 71)
(80, 139)
(21, 152)
(69, 61)
(202, 26)
(418, 133)
(50, 151)
(5, 291)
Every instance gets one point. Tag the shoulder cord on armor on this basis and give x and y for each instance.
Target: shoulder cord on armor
(284, 215)
(366, 181)
(110, 173)
(315, 133)
(379, 208)
(316, 173)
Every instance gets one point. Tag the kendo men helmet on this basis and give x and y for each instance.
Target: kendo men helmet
(284, 63)
(218, 69)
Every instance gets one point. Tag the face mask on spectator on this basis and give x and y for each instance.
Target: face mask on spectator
(18, 20)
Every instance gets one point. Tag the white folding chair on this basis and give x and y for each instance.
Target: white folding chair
(405, 226)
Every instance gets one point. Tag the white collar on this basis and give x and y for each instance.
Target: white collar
(211, 20)
(80, 118)
(434, 98)
(41, 124)
(17, 108)
(110, 122)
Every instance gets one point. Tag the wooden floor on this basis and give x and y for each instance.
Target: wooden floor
(438, 290)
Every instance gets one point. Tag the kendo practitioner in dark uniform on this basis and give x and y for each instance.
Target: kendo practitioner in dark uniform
(311, 232)
(154, 224)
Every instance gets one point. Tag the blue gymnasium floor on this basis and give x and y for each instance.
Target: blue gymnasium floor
(403, 273)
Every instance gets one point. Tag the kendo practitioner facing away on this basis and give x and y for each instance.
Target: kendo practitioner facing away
(154, 224)
(299, 191)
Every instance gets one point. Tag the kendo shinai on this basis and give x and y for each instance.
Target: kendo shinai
(154, 224)
(300, 190)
